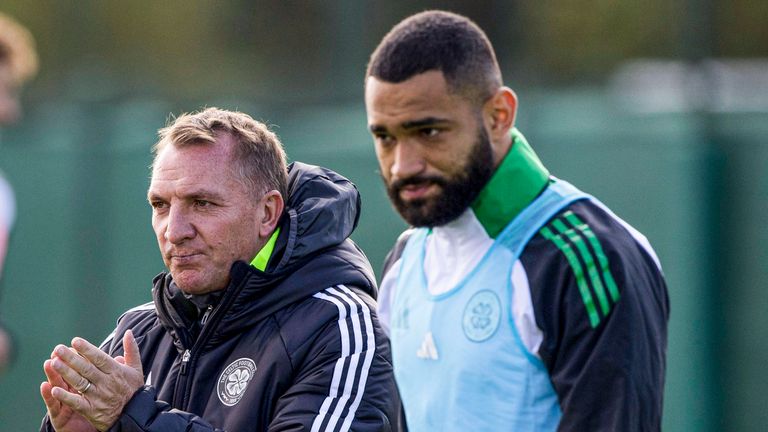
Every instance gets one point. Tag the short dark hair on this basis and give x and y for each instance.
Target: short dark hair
(443, 41)
(259, 154)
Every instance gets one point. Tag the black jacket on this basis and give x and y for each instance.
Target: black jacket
(297, 347)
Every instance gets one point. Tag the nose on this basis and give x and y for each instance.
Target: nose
(178, 226)
(408, 161)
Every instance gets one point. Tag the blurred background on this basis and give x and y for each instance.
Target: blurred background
(659, 108)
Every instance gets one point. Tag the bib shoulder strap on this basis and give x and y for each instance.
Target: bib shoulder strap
(558, 195)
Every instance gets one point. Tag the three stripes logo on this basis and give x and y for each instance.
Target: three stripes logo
(358, 347)
(590, 266)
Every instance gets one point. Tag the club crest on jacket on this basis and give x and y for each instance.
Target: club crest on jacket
(234, 380)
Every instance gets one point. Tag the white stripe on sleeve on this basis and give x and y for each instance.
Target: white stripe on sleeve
(371, 348)
(338, 370)
(353, 301)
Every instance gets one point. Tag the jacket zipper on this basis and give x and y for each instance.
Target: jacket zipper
(181, 399)
(185, 356)
(184, 361)
(206, 315)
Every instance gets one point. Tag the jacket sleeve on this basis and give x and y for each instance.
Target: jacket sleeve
(144, 413)
(343, 371)
(46, 426)
(601, 302)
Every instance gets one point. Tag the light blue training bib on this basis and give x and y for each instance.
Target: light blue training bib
(459, 362)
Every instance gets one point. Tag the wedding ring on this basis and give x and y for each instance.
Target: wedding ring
(87, 386)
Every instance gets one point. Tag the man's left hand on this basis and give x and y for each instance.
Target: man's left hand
(103, 384)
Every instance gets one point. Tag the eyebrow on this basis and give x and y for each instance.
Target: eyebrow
(152, 196)
(412, 124)
(420, 123)
(198, 194)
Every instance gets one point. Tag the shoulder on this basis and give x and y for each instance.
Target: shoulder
(330, 319)
(593, 224)
(140, 320)
(327, 305)
(139, 313)
(584, 261)
(345, 298)
(393, 256)
(583, 264)
(588, 244)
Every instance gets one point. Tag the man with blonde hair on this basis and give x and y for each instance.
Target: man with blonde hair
(18, 64)
(265, 319)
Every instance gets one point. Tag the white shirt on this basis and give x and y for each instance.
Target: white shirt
(453, 251)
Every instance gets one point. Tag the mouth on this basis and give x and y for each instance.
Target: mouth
(181, 259)
(415, 191)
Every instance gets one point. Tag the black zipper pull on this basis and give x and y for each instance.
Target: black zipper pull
(184, 361)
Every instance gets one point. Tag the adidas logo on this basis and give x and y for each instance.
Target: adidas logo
(428, 350)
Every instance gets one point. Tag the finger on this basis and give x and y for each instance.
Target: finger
(72, 377)
(72, 400)
(120, 359)
(53, 353)
(53, 405)
(54, 378)
(131, 348)
(98, 358)
(76, 362)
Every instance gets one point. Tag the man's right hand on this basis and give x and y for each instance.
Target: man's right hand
(63, 418)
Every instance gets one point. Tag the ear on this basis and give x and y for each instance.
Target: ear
(272, 205)
(499, 114)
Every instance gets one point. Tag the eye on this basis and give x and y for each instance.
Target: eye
(384, 139)
(429, 132)
(158, 205)
(202, 203)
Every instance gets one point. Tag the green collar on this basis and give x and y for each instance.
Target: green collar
(262, 258)
(519, 179)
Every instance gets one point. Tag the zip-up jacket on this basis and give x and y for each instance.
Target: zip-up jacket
(296, 347)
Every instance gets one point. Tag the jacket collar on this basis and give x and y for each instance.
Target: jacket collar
(518, 180)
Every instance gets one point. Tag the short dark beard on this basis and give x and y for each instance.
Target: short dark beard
(458, 192)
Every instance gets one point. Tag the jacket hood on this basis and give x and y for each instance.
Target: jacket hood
(313, 252)
(323, 209)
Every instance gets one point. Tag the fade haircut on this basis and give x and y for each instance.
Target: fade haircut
(17, 51)
(259, 157)
(443, 41)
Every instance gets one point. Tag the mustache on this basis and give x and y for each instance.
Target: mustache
(416, 181)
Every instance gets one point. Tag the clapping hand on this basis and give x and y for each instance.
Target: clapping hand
(86, 388)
